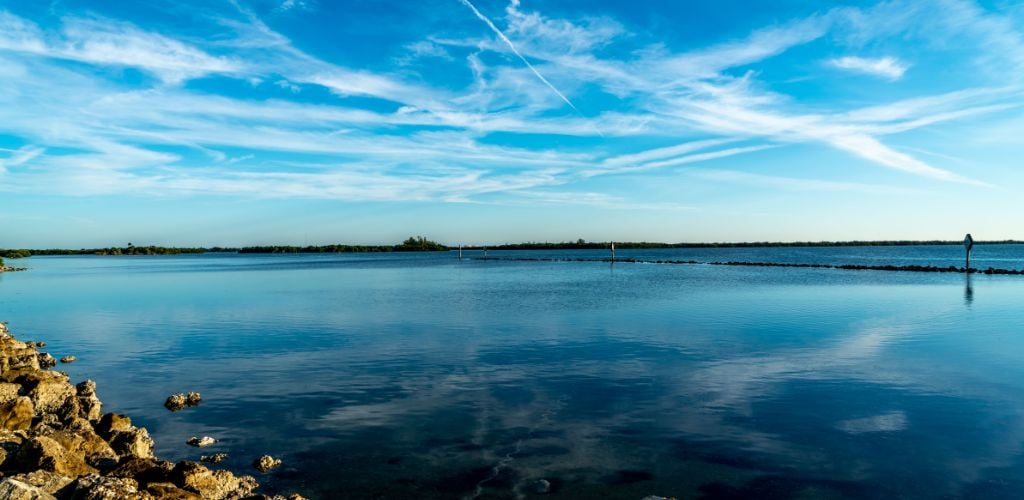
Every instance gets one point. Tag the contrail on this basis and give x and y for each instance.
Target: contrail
(520, 56)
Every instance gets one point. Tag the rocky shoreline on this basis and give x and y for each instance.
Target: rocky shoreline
(56, 443)
(9, 269)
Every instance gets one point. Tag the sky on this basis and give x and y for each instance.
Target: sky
(240, 122)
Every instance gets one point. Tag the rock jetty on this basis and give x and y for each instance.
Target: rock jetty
(56, 443)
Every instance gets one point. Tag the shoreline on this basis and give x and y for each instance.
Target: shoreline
(56, 443)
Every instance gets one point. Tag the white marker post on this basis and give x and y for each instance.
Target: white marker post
(968, 244)
(613, 251)
(460, 252)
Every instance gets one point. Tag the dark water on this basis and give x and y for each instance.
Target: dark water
(419, 376)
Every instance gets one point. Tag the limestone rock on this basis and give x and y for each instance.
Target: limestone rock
(96, 487)
(84, 444)
(17, 414)
(211, 484)
(200, 442)
(143, 470)
(49, 390)
(50, 482)
(169, 491)
(86, 388)
(179, 401)
(68, 359)
(134, 442)
(12, 489)
(175, 402)
(8, 392)
(90, 406)
(46, 360)
(111, 423)
(265, 463)
(216, 458)
(43, 453)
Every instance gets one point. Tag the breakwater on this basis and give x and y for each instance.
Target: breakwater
(56, 443)
(850, 267)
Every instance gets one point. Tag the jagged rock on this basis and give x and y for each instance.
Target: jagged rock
(90, 406)
(541, 486)
(84, 444)
(134, 442)
(16, 360)
(12, 489)
(86, 388)
(96, 487)
(211, 484)
(168, 491)
(265, 463)
(111, 423)
(8, 392)
(50, 482)
(175, 402)
(10, 443)
(49, 390)
(43, 453)
(200, 442)
(17, 414)
(68, 359)
(46, 360)
(293, 496)
(143, 470)
(56, 432)
(216, 458)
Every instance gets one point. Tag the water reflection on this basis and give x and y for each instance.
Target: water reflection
(968, 290)
(410, 379)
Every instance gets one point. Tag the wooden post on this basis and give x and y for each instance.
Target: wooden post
(968, 244)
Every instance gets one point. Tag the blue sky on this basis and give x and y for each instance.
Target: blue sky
(313, 121)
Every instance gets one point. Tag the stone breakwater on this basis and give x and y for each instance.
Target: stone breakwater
(56, 443)
(848, 267)
(9, 269)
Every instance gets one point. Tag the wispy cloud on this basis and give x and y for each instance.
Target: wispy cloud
(515, 51)
(20, 156)
(885, 67)
(306, 124)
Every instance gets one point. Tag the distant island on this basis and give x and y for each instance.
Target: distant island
(421, 244)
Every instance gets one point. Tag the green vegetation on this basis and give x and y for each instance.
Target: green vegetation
(15, 254)
(128, 250)
(412, 244)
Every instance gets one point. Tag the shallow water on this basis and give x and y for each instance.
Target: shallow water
(417, 375)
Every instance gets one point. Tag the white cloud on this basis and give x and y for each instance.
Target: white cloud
(20, 156)
(884, 67)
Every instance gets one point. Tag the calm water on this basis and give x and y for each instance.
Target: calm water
(419, 376)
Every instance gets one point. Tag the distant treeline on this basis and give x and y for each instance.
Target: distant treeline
(421, 244)
(128, 250)
(584, 245)
(412, 244)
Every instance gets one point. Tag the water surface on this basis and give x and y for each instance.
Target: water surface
(421, 376)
